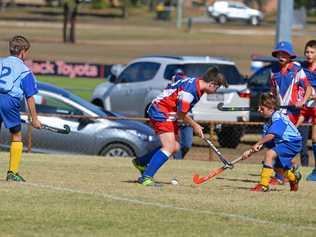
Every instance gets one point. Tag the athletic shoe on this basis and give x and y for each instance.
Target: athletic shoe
(140, 168)
(275, 181)
(146, 181)
(312, 176)
(298, 177)
(11, 176)
(260, 188)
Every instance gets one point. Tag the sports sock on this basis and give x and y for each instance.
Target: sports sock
(145, 159)
(266, 174)
(290, 175)
(159, 158)
(15, 156)
(314, 151)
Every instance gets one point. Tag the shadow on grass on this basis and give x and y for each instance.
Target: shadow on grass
(241, 180)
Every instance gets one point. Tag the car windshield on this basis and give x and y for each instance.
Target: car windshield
(99, 111)
(230, 72)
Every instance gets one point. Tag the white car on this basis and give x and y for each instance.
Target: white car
(223, 11)
(140, 81)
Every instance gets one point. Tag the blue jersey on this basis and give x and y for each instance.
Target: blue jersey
(310, 73)
(282, 128)
(16, 79)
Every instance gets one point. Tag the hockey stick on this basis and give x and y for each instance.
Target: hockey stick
(220, 106)
(218, 153)
(65, 130)
(199, 180)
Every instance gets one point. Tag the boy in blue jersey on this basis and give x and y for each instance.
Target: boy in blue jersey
(16, 82)
(283, 141)
(173, 104)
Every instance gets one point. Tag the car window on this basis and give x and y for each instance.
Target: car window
(48, 104)
(141, 71)
(261, 77)
(230, 72)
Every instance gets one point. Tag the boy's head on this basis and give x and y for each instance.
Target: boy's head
(310, 51)
(284, 52)
(214, 79)
(268, 104)
(19, 46)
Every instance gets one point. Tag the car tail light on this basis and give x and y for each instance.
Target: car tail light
(244, 93)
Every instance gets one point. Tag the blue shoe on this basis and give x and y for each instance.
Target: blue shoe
(312, 176)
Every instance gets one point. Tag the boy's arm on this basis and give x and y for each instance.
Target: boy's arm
(198, 129)
(265, 139)
(31, 105)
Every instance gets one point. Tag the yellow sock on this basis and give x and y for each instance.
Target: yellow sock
(15, 156)
(290, 175)
(266, 174)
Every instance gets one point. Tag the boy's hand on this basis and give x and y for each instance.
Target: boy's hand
(257, 147)
(36, 123)
(247, 153)
(198, 129)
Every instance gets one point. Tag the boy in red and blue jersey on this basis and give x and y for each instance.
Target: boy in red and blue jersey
(16, 82)
(290, 84)
(171, 105)
(309, 110)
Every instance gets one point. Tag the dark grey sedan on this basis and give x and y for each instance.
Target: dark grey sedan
(116, 138)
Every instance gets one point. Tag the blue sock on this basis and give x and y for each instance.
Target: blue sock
(145, 159)
(159, 158)
(314, 151)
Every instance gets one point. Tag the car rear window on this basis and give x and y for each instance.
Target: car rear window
(230, 72)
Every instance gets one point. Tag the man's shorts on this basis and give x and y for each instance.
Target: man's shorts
(286, 152)
(164, 126)
(307, 113)
(10, 111)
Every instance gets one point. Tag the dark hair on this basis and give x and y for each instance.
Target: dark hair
(17, 44)
(311, 43)
(269, 100)
(213, 75)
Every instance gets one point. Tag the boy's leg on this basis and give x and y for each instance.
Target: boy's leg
(266, 172)
(304, 131)
(16, 149)
(312, 175)
(141, 163)
(169, 145)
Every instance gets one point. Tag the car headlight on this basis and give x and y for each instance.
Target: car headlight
(142, 136)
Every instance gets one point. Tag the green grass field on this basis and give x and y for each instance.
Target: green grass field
(92, 196)
(82, 87)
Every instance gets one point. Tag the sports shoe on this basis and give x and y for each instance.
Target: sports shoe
(294, 184)
(11, 176)
(275, 181)
(140, 168)
(260, 188)
(312, 176)
(146, 181)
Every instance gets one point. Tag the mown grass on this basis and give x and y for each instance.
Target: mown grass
(92, 196)
(82, 87)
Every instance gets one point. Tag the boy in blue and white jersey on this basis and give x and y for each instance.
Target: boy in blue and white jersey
(283, 141)
(16, 82)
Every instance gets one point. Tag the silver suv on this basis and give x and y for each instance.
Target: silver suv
(136, 85)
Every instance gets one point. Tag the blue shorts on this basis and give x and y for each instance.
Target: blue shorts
(10, 110)
(286, 152)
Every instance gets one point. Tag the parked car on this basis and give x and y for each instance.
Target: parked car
(223, 11)
(133, 89)
(116, 138)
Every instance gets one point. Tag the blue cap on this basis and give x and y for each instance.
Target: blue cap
(284, 46)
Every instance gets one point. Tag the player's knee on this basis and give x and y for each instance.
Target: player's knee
(16, 129)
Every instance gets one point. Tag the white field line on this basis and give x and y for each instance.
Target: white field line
(166, 206)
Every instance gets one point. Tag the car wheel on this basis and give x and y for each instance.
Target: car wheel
(254, 21)
(222, 19)
(117, 150)
(229, 136)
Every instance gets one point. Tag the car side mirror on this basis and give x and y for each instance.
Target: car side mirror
(83, 122)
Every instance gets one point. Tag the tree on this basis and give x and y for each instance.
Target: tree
(70, 17)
